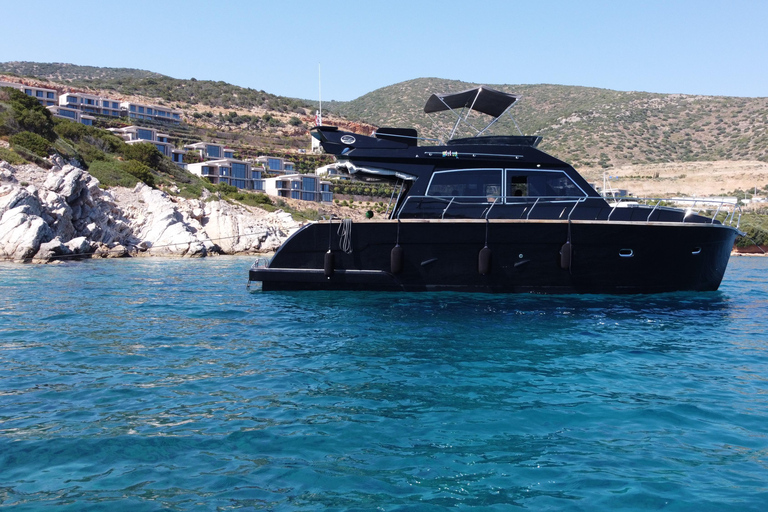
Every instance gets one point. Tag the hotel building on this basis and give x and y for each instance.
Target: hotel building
(307, 187)
(46, 97)
(90, 104)
(237, 173)
(151, 112)
(139, 134)
(72, 114)
(276, 165)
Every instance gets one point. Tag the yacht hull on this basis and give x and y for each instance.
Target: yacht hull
(502, 256)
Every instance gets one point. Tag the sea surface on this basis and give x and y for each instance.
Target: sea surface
(166, 384)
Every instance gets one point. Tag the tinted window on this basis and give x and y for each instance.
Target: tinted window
(517, 185)
(476, 183)
(540, 184)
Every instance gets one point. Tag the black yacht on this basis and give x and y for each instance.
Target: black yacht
(495, 214)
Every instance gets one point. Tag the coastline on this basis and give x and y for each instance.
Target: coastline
(63, 213)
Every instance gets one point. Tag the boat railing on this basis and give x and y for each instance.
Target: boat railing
(491, 202)
(704, 207)
(261, 262)
(726, 212)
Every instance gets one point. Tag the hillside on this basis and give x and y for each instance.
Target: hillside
(650, 144)
(251, 122)
(125, 81)
(591, 127)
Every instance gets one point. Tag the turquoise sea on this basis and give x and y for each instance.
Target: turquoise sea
(165, 384)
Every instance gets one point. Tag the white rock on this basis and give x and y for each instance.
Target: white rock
(79, 245)
(66, 208)
(22, 233)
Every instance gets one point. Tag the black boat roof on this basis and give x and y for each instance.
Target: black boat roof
(396, 153)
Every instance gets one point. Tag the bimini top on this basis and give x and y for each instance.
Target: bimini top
(481, 99)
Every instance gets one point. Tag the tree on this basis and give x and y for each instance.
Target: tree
(25, 114)
(144, 152)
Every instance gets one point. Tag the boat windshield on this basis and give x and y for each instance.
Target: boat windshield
(491, 184)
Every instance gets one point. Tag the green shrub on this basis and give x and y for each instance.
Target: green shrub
(65, 149)
(70, 129)
(11, 156)
(31, 141)
(144, 152)
(90, 153)
(226, 189)
(261, 198)
(76, 132)
(756, 228)
(111, 174)
(139, 170)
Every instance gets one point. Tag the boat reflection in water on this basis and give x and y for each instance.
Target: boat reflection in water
(495, 214)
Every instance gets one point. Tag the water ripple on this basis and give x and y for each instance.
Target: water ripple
(129, 383)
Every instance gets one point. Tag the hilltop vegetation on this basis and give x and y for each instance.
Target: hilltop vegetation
(591, 127)
(34, 135)
(163, 88)
(587, 127)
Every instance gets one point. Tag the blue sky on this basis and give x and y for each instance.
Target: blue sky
(711, 47)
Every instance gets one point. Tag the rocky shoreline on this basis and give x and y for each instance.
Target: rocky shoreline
(61, 213)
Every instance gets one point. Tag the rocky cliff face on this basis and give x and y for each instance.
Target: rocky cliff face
(62, 213)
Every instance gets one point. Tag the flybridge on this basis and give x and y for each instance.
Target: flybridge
(481, 99)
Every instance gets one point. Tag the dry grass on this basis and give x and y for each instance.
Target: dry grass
(685, 179)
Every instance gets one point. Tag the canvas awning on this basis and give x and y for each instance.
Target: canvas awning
(481, 99)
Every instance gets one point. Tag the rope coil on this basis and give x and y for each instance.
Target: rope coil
(345, 235)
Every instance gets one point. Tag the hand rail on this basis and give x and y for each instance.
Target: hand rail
(446, 208)
(656, 203)
(648, 219)
(493, 203)
(729, 206)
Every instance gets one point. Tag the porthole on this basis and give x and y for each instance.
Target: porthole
(626, 253)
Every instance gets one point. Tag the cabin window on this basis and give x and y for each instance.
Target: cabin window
(549, 184)
(560, 185)
(517, 185)
(483, 184)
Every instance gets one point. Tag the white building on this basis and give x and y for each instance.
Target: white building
(307, 187)
(231, 171)
(139, 134)
(210, 150)
(331, 171)
(46, 97)
(150, 112)
(90, 104)
(276, 165)
(72, 114)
